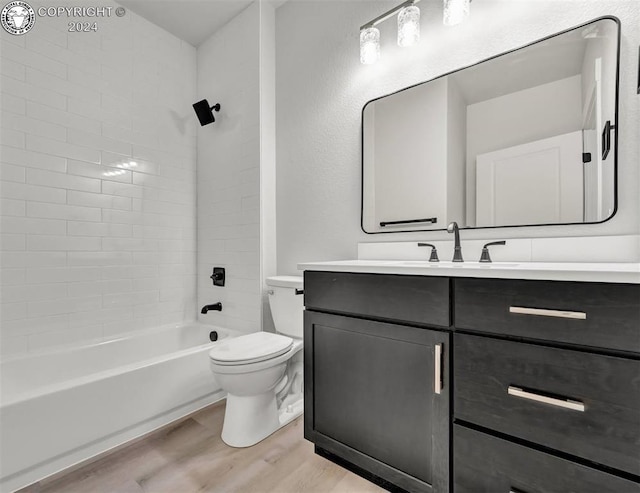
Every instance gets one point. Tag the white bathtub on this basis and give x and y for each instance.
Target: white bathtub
(60, 408)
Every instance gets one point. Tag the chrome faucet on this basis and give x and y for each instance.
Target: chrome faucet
(457, 249)
(216, 306)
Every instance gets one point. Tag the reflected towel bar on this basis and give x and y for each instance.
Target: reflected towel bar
(432, 220)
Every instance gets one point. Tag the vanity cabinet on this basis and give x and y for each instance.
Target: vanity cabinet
(547, 386)
(377, 392)
(543, 377)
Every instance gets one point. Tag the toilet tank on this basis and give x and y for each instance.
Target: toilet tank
(286, 305)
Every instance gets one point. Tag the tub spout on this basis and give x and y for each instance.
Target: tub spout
(215, 306)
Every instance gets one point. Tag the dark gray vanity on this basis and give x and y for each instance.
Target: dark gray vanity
(445, 383)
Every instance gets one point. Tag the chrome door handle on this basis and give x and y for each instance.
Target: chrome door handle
(437, 374)
(532, 396)
(547, 313)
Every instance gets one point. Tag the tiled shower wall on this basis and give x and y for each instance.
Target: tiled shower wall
(229, 173)
(98, 182)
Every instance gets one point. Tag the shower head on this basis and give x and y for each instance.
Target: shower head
(205, 112)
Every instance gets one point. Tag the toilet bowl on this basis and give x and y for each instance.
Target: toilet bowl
(262, 372)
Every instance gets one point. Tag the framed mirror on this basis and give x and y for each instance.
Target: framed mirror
(526, 138)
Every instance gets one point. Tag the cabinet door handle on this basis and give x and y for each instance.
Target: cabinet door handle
(514, 490)
(547, 313)
(565, 403)
(437, 374)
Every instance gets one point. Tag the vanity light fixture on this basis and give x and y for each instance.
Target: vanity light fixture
(455, 11)
(408, 30)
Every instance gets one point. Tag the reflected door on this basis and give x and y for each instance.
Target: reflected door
(539, 182)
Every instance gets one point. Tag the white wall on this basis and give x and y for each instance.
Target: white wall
(229, 173)
(456, 152)
(321, 88)
(518, 118)
(86, 253)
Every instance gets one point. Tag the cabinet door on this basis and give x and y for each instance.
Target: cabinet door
(377, 395)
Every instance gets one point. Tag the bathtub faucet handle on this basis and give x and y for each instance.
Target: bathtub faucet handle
(216, 306)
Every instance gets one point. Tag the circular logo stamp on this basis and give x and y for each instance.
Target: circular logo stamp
(17, 17)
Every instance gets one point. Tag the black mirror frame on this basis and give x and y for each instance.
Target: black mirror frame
(615, 137)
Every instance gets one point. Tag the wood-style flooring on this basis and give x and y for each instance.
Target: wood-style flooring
(191, 457)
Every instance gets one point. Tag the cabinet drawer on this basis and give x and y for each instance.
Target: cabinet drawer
(486, 464)
(415, 299)
(589, 314)
(587, 405)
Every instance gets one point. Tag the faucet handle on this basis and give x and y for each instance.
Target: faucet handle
(484, 257)
(434, 253)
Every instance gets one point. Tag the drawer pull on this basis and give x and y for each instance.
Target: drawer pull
(566, 403)
(547, 313)
(514, 490)
(437, 374)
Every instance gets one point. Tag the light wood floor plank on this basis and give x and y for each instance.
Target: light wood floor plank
(190, 457)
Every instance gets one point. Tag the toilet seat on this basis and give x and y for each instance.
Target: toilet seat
(250, 348)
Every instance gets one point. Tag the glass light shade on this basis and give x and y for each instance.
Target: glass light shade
(369, 45)
(409, 26)
(455, 11)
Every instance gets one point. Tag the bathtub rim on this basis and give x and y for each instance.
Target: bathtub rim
(117, 370)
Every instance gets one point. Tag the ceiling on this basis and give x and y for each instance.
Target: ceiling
(191, 20)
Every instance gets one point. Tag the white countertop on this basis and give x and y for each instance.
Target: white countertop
(555, 271)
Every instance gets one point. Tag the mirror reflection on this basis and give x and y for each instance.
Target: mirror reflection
(525, 138)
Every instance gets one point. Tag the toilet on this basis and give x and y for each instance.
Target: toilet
(262, 372)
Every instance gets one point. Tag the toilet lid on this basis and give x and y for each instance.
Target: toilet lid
(250, 348)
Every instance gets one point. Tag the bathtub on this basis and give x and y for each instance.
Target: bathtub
(58, 408)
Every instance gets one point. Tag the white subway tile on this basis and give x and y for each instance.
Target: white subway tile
(12, 242)
(96, 171)
(11, 207)
(27, 326)
(31, 292)
(34, 193)
(62, 149)
(130, 299)
(11, 346)
(99, 200)
(11, 277)
(11, 138)
(122, 189)
(32, 126)
(41, 95)
(122, 217)
(11, 172)
(38, 78)
(60, 211)
(22, 157)
(13, 104)
(62, 243)
(78, 228)
(62, 274)
(33, 259)
(30, 225)
(60, 307)
(34, 59)
(62, 180)
(12, 311)
(77, 259)
(13, 69)
(64, 118)
(62, 56)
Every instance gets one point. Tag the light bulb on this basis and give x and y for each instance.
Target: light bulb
(369, 45)
(409, 26)
(455, 11)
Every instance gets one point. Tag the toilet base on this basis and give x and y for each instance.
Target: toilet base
(250, 419)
